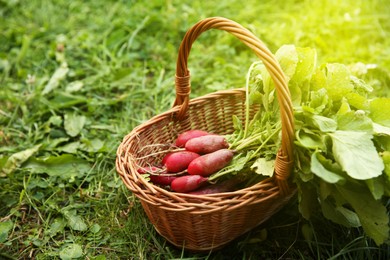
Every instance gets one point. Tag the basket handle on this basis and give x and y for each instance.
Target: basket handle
(284, 159)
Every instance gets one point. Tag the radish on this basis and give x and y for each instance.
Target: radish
(182, 139)
(206, 144)
(157, 175)
(225, 186)
(208, 164)
(188, 183)
(165, 158)
(162, 180)
(178, 161)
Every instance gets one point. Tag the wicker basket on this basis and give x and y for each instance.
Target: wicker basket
(206, 222)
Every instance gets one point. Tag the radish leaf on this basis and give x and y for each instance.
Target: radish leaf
(338, 82)
(371, 212)
(379, 109)
(356, 154)
(264, 167)
(319, 169)
(325, 124)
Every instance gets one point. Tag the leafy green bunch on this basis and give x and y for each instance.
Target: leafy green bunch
(342, 139)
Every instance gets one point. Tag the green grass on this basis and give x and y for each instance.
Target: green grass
(59, 192)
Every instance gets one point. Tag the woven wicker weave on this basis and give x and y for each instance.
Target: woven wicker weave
(206, 222)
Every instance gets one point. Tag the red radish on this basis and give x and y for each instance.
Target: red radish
(165, 158)
(182, 139)
(225, 186)
(179, 161)
(188, 183)
(162, 180)
(206, 144)
(155, 177)
(208, 164)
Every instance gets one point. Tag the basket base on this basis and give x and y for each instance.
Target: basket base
(197, 240)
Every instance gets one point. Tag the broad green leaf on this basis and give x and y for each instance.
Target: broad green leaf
(65, 166)
(318, 80)
(319, 169)
(309, 140)
(56, 227)
(372, 213)
(338, 82)
(381, 130)
(344, 107)
(356, 154)
(376, 186)
(333, 206)
(53, 143)
(287, 56)
(73, 124)
(56, 78)
(379, 111)
(339, 214)
(5, 228)
(296, 93)
(325, 124)
(307, 61)
(75, 221)
(355, 121)
(95, 228)
(71, 251)
(356, 100)
(360, 85)
(319, 100)
(298, 64)
(308, 110)
(70, 147)
(92, 145)
(350, 216)
(55, 120)
(264, 167)
(17, 159)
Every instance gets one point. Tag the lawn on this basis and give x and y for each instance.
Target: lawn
(77, 76)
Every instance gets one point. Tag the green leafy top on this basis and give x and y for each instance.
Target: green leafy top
(342, 144)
